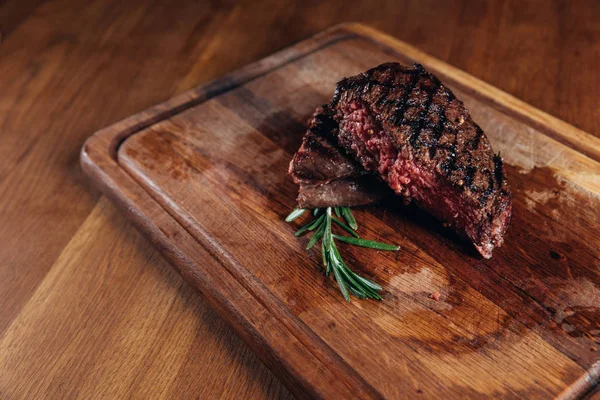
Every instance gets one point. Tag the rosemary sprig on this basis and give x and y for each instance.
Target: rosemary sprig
(348, 281)
(349, 218)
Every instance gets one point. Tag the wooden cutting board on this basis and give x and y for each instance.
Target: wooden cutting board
(204, 176)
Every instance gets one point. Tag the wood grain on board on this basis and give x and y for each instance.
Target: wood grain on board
(204, 177)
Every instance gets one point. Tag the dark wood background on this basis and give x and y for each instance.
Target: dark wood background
(68, 261)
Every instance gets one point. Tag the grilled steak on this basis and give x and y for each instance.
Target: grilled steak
(405, 126)
(326, 175)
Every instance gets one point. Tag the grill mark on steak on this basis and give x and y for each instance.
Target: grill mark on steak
(498, 169)
(469, 172)
(424, 113)
(402, 104)
(475, 142)
(439, 112)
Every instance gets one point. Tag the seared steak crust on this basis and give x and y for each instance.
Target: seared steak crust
(405, 125)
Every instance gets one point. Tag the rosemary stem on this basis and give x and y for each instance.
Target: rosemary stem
(348, 281)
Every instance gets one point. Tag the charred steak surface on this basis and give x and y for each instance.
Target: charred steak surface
(403, 125)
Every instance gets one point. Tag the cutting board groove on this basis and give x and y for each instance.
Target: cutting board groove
(204, 177)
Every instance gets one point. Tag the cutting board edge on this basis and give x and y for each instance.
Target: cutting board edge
(99, 153)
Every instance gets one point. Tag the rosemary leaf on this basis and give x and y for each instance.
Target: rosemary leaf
(367, 243)
(341, 284)
(351, 276)
(371, 292)
(342, 271)
(327, 236)
(315, 237)
(357, 294)
(325, 254)
(337, 212)
(310, 226)
(349, 217)
(345, 227)
(368, 282)
(294, 214)
(364, 290)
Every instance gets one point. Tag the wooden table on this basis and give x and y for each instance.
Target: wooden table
(87, 307)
